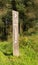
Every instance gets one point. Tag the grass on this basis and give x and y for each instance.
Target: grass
(28, 52)
(4, 60)
(6, 47)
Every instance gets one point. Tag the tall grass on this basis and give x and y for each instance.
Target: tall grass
(28, 52)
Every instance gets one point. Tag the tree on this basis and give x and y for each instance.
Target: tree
(28, 9)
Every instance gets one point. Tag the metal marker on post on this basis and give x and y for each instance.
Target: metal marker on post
(15, 33)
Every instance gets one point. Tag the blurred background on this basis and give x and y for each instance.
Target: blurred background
(28, 17)
(28, 32)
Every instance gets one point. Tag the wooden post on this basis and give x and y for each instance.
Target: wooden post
(15, 15)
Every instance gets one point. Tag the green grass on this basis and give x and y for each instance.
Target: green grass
(6, 47)
(4, 60)
(28, 52)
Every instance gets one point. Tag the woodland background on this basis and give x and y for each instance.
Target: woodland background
(28, 32)
(28, 17)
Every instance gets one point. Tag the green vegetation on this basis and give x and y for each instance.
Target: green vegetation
(28, 52)
(28, 32)
(3, 59)
(28, 17)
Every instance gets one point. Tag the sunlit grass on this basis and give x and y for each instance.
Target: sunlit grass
(28, 51)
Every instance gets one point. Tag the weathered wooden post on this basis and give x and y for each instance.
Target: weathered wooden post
(15, 20)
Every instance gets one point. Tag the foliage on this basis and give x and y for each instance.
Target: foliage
(28, 53)
(5, 47)
(28, 17)
(28, 42)
(3, 59)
